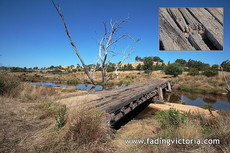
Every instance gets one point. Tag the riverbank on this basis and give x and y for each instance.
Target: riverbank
(196, 84)
(45, 119)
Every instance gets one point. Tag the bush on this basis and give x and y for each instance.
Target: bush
(148, 64)
(210, 72)
(226, 65)
(193, 71)
(60, 118)
(9, 85)
(72, 82)
(174, 69)
(170, 117)
(83, 132)
(139, 67)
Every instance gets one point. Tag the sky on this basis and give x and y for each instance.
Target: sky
(32, 33)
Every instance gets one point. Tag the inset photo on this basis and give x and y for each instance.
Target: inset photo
(191, 29)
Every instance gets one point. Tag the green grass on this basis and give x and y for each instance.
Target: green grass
(60, 117)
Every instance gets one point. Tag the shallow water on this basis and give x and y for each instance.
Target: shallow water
(80, 86)
(217, 102)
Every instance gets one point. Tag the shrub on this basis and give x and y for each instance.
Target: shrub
(84, 131)
(193, 71)
(139, 67)
(210, 72)
(173, 69)
(60, 117)
(72, 82)
(226, 65)
(170, 117)
(9, 85)
(182, 62)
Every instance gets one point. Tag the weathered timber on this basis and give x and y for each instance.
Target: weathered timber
(217, 13)
(191, 29)
(116, 103)
(178, 18)
(171, 36)
(196, 40)
(213, 29)
(192, 22)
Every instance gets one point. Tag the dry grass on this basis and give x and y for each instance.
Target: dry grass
(197, 126)
(36, 92)
(84, 131)
(198, 84)
(202, 84)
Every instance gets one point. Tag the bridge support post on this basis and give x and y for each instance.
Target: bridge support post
(169, 87)
(159, 98)
(168, 97)
(160, 92)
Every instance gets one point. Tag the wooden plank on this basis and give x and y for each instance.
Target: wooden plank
(192, 22)
(196, 40)
(179, 19)
(170, 35)
(213, 29)
(114, 108)
(217, 13)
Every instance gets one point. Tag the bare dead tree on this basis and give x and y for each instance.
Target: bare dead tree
(95, 67)
(72, 43)
(109, 39)
(120, 63)
(228, 88)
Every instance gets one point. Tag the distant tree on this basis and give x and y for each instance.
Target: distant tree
(51, 67)
(148, 64)
(138, 59)
(197, 64)
(130, 67)
(209, 72)
(111, 67)
(139, 67)
(226, 65)
(193, 71)
(215, 67)
(182, 62)
(173, 69)
(157, 59)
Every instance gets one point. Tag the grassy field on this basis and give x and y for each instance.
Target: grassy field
(184, 82)
(33, 120)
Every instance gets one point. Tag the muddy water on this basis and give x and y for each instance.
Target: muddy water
(200, 100)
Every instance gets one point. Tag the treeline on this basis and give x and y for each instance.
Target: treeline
(193, 67)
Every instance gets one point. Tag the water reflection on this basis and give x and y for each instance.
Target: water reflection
(80, 86)
(217, 102)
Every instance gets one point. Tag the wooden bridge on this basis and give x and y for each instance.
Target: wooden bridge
(119, 102)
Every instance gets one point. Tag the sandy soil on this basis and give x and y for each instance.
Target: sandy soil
(180, 107)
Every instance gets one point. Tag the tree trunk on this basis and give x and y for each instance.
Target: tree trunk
(103, 71)
(117, 75)
(72, 43)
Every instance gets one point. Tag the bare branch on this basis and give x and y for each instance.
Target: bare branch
(72, 43)
(108, 39)
(125, 35)
(120, 63)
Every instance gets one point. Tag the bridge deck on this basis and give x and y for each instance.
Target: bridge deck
(118, 102)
